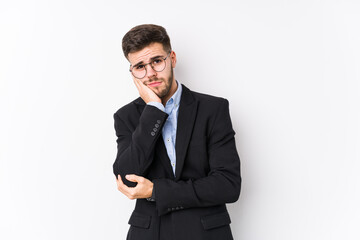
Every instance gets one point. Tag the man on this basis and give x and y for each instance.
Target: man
(176, 149)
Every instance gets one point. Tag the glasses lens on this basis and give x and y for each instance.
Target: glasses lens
(138, 72)
(158, 64)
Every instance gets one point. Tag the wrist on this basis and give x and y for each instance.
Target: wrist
(151, 189)
(158, 105)
(151, 198)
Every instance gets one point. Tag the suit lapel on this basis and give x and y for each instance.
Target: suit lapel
(185, 124)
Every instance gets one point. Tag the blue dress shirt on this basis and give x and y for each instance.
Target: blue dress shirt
(170, 126)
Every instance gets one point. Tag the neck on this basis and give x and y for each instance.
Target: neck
(170, 93)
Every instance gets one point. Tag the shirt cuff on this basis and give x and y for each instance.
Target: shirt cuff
(158, 105)
(152, 198)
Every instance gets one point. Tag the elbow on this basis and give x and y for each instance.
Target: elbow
(115, 170)
(234, 194)
(118, 170)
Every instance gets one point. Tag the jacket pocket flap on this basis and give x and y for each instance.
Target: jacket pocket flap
(140, 220)
(214, 221)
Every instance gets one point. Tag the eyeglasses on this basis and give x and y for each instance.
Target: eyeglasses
(157, 64)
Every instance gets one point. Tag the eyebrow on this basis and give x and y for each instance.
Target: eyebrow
(151, 59)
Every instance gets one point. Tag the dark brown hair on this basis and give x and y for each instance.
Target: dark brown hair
(143, 35)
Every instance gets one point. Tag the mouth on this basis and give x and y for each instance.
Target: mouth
(153, 84)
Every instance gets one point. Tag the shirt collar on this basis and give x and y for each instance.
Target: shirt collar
(177, 95)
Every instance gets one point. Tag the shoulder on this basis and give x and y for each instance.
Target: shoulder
(206, 99)
(202, 97)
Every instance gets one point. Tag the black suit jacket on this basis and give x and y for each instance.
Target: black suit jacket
(191, 204)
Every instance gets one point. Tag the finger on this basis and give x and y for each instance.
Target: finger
(133, 178)
(137, 84)
(127, 191)
(121, 186)
(141, 85)
(119, 178)
(120, 182)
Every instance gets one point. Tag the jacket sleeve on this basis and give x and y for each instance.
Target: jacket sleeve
(220, 186)
(135, 147)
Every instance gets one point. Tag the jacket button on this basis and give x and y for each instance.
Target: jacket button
(154, 129)
(152, 134)
(158, 121)
(157, 125)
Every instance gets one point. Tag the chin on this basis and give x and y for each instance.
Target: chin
(162, 94)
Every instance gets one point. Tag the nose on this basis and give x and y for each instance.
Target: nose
(150, 72)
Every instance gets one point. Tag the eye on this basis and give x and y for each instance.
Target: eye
(139, 67)
(157, 61)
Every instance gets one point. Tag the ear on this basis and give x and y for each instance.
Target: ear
(173, 59)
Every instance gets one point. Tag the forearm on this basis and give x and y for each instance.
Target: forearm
(136, 146)
(209, 191)
(221, 185)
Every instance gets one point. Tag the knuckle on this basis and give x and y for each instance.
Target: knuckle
(133, 194)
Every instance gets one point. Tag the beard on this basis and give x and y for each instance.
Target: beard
(167, 82)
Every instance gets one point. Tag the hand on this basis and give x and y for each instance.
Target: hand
(143, 188)
(145, 92)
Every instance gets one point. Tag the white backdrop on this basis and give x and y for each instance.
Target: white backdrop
(290, 70)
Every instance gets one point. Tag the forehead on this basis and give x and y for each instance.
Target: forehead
(145, 54)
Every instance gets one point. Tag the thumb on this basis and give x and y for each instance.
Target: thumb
(132, 177)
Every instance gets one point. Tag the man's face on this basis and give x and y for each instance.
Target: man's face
(159, 82)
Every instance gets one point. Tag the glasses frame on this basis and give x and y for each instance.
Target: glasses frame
(150, 63)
